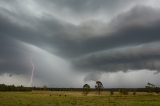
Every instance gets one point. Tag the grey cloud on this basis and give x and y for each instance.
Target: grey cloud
(126, 30)
(13, 57)
(123, 33)
(56, 34)
(80, 6)
(88, 7)
(61, 35)
(144, 56)
(94, 76)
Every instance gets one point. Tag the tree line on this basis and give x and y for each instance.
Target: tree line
(4, 87)
(85, 89)
(150, 88)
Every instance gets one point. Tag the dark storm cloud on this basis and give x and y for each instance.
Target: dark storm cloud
(137, 26)
(89, 7)
(58, 35)
(13, 58)
(144, 56)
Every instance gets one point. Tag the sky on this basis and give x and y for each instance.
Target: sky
(67, 43)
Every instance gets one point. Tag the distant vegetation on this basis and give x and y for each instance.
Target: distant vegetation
(152, 88)
(86, 89)
(4, 87)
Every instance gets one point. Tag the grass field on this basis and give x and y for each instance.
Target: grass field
(64, 98)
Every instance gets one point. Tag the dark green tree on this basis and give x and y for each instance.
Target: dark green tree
(99, 86)
(86, 89)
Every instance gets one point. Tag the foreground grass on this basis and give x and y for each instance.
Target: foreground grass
(44, 98)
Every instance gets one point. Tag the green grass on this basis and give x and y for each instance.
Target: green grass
(45, 98)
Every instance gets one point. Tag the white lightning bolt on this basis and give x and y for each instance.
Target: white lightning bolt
(32, 74)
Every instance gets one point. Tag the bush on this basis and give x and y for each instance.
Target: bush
(123, 91)
(111, 92)
(134, 93)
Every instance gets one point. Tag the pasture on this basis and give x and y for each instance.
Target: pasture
(76, 98)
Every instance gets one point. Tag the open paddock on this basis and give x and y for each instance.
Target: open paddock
(76, 98)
